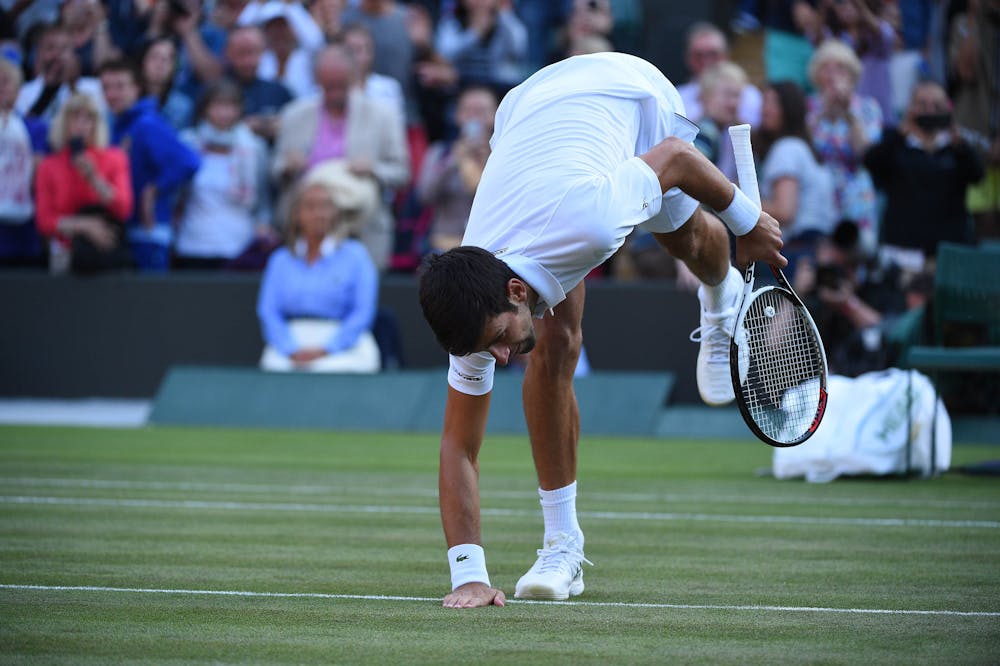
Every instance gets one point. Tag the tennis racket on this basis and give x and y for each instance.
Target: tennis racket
(776, 357)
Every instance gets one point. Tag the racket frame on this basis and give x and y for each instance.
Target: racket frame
(734, 353)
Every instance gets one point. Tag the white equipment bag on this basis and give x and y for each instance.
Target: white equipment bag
(878, 423)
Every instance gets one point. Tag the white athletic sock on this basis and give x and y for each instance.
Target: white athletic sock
(722, 295)
(559, 511)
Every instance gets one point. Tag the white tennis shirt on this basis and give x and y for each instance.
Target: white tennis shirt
(563, 187)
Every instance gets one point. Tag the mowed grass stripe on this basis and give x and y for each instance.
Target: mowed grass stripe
(661, 591)
(425, 492)
(427, 510)
(594, 604)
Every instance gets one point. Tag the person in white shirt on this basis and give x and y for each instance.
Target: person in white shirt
(19, 239)
(583, 152)
(228, 203)
(358, 40)
(56, 78)
(293, 39)
(706, 47)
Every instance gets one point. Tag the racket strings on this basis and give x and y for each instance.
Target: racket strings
(781, 388)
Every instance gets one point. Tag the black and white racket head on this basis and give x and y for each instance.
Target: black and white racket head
(778, 367)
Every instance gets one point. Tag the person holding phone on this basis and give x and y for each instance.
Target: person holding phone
(925, 167)
(451, 170)
(83, 192)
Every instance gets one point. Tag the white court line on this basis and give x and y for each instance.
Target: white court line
(597, 604)
(334, 488)
(427, 510)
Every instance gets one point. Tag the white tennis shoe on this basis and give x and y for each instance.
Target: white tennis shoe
(557, 574)
(714, 379)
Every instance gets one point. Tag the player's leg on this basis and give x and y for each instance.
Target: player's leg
(553, 419)
(702, 243)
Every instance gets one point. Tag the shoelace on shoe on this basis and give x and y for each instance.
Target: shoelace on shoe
(718, 350)
(552, 559)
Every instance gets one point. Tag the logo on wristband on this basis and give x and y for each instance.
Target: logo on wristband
(461, 558)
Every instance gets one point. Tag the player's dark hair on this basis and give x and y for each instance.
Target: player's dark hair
(459, 291)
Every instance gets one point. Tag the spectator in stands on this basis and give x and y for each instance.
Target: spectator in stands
(394, 51)
(587, 29)
(435, 79)
(379, 87)
(86, 24)
(318, 295)
(83, 193)
(158, 63)
(19, 241)
(343, 124)
(327, 14)
(305, 32)
(542, 19)
(451, 170)
(201, 43)
(855, 302)
(20, 17)
(486, 42)
(721, 89)
(707, 47)
(858, 24)
(160, 164)
(292, 37)
(975, 41)
(129, 24)
(925, 169)
(589, 44)
(791, 27)
(843, 124)
(262, 100)
(228, 202)
(796, 190)
(57, 76)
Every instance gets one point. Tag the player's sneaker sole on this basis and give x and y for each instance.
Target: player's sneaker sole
(542, 592)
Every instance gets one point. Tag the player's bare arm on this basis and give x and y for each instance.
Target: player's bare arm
(458, 488)
(679, 164)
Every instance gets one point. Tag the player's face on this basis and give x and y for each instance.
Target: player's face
(509, 334)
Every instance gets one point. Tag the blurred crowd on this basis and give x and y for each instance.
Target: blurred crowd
(328, 142)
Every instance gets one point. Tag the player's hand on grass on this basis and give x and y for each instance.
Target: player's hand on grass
(762, 243)
(474, 595)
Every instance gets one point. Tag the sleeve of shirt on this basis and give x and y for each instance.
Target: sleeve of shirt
(273, 325)
(307, 32)
(46, 213)
(452, 40)
(363, 301)
(472, 374)
(121, 184)
(786, 160)
(175, 161)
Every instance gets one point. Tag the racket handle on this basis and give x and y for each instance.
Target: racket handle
(745, 169)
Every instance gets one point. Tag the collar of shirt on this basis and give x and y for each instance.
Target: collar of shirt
(941, 140)
(550, 292)
(326, 248)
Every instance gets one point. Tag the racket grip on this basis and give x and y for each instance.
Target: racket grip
(745, 169)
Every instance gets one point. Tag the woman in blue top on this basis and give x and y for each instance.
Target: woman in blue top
(319, 293)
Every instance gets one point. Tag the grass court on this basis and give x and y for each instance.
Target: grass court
(177, 545)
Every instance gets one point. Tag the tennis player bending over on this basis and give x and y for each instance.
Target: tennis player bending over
(584, 151)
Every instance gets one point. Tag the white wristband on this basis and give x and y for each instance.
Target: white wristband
(742, 214)
(468, 565)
